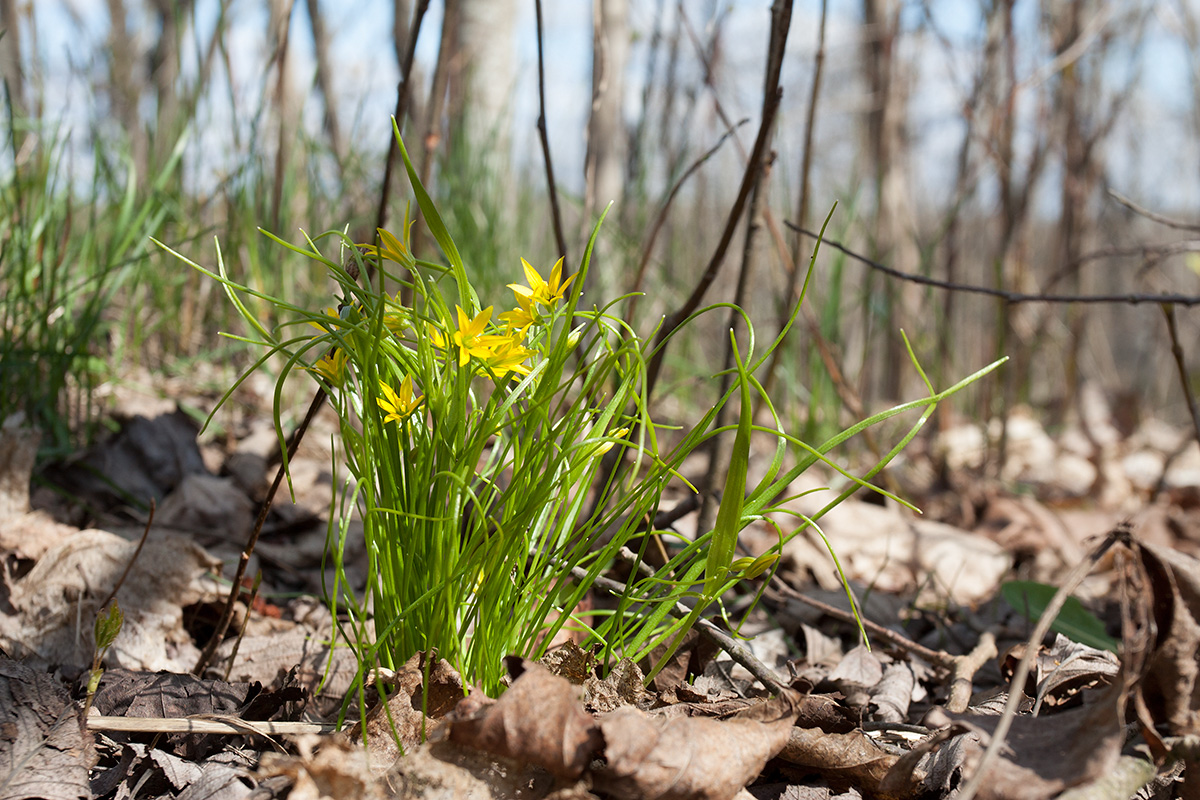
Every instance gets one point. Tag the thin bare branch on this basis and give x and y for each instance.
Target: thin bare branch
(1181, 365)
(1152, 216)
(403, 91)
(559, 237)
(1131, 298)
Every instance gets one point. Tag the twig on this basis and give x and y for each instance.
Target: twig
(193, 725)
(781, 20)
(1150, 215)
(736, 650)
(1181, 365)
(965, 667)
(1072, 581)
(245, 624)
(559, 237)
(403, 90)
(1012, 297)
(661, 218)
(227, 615)
(936, 657)
(810, 125)
(749, 177)
(133, 558)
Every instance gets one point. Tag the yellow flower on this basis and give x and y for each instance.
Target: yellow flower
(332, 365)
(469, 336)
(508, 355)
(331, 313)
(398, 405)
(546, 292)
(521, 317)
(390, 248)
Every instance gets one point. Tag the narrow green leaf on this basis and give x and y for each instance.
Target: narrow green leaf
(729, 516)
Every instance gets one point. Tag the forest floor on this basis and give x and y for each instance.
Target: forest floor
(948, 600)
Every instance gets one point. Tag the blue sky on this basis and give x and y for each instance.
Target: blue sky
(72, 32)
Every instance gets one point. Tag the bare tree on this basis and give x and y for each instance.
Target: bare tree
(607, 145)
(125, 88)
(10, 55)
(887, 151)
(325, 81)
(486, 42)
(170, 118)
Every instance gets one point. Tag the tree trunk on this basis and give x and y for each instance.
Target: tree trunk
(887, 150)
(325, 81)
(10, 56)
(487, 45)
(604, 167)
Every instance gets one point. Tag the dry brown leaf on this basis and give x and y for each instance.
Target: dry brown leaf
(847, 758)
(44, 750)
(690, 757)
(446, 771)
(413, 710)
(623, 686)
(328, 768)
(207, 504)
(898, 553)
(539, 721)
(1045, 755)
(1171, 685)
(57, 602)
(281, 646)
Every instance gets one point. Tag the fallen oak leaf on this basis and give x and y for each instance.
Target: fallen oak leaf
(538, 720)
(690, 757)
(852, 758)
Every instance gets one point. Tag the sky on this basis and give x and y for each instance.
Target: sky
(72, 33)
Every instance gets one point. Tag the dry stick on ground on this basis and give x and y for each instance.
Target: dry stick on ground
(227, 615)
(962, 668)
(736, 650)
(1181, 365)
(1131, 298)
(936, 657)
(559, 237)
(403, 91)
(133, 558)
(1072, 581)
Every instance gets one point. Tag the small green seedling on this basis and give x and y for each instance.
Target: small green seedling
(107, 628)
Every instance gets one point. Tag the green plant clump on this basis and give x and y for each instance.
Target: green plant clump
(475, 446)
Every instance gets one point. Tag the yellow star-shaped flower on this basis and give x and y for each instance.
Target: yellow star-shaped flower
(332, 365)
(398, 406)
(470, 337)
(508, 355)
(521, 317)
(540, 290)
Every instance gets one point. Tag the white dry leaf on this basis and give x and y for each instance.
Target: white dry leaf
(897, 552)
(57, 602)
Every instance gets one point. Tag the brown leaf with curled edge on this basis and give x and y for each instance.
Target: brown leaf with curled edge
(1170, 687)
(44, 751)
(1045, 755)
(690, 757)
(414, 709)
(539, 720)
(845, 758)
